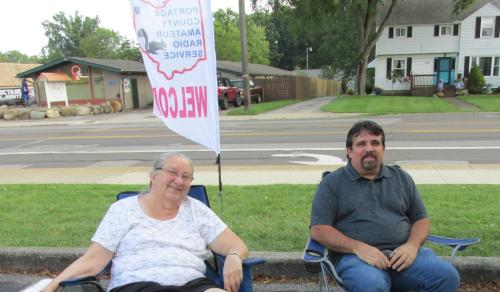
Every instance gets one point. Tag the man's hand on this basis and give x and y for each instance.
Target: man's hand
(403, 256)
(371, 255)
(233, 273)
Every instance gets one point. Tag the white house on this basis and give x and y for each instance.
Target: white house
(423, 42)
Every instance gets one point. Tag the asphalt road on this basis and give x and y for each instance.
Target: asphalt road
(465, 137)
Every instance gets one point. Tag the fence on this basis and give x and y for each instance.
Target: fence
(423, 80)
(297, 87)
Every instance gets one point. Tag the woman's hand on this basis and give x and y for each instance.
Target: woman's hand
(233, 272)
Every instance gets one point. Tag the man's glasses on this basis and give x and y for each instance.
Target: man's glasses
(174, 173)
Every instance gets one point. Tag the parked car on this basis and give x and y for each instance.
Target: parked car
(256, 92)
(227, 93)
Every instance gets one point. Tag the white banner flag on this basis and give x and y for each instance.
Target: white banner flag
(176, 39)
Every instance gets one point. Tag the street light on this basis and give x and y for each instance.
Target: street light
(308, 49)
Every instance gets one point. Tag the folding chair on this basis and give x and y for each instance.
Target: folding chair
(317, 261)
(214, 270)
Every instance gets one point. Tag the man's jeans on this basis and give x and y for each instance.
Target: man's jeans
(427, 273)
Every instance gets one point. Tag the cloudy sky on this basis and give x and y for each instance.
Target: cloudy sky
(21, 28)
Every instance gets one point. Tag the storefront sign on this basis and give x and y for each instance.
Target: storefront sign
(14, 93)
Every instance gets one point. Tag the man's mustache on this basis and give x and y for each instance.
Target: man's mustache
(369, 155)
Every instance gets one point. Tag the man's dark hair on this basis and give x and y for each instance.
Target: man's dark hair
(364, 126)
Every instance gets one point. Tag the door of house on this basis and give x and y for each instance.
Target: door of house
(135, 92)
(444, 70)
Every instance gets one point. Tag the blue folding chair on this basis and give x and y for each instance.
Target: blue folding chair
(214, 270)
(317, 261)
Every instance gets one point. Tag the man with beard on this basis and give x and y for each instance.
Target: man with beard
(372, 219)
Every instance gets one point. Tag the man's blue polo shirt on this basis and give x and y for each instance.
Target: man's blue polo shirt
(379, 212)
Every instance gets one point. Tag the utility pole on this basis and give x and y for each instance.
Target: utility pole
(244, 55)
(308, 49)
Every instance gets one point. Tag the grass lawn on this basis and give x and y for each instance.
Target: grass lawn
(263, 107)
(379, 105)
(268, 218)
(489, 103)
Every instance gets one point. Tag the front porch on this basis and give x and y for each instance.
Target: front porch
(426, 85)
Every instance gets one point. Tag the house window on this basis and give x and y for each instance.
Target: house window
(400, 32)
(485, 65)
(496, 66)
(473, 61)
(398, 68)
(446, 30)
(487, 26)
(489, 66)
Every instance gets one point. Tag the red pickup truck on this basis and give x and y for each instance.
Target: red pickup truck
(227, 93)
(256, 92)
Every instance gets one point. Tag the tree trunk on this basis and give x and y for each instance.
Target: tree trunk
(361, 77)
(361, 73)
(365, 19)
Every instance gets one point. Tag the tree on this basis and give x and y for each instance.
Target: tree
(476, 80)
(79, 36)
(363, 13)
(284, 34)
(65, 34)
(18, 57)
(227, 38)
(101, 44)
(128, 51)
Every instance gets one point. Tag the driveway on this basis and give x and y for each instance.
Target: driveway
(311, 106)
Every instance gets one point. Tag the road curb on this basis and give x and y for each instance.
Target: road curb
(278, 264)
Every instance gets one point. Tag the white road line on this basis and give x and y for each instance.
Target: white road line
(244, 150)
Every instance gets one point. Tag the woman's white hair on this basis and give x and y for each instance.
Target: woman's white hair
(160, 162)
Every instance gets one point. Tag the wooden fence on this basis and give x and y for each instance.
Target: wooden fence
(297, 87)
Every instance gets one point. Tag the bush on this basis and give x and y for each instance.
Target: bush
(378, 90)
(476, 80)
(370, 80)
(368, 88)
(497, 90)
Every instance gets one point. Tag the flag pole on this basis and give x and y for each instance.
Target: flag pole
(220, 185)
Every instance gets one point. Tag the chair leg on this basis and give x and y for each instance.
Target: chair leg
(323, 281)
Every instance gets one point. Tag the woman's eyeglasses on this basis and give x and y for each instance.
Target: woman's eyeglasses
(174, 173)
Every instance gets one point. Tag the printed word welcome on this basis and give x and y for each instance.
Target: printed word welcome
(186, 103)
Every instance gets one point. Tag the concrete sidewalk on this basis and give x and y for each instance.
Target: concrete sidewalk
(422, 173)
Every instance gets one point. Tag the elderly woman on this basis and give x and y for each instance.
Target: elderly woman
(157, 241)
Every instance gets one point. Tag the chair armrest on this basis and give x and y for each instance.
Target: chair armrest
(94, 280)
(247, 263)
(455, 243)
(314, 251)
(77, 281)
(316, 261)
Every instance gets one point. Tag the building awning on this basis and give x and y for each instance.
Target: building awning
(47, 76)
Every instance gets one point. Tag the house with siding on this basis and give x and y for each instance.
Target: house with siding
(424, 42)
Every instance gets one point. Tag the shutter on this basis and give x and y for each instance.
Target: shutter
(436, 30)
(497, 26)
(388, 73)
(453, 64)
(478, 27)
(455, 29)
(409, 31)
(466, 66)
(408, 66)
(436, 65)
(391, 32)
